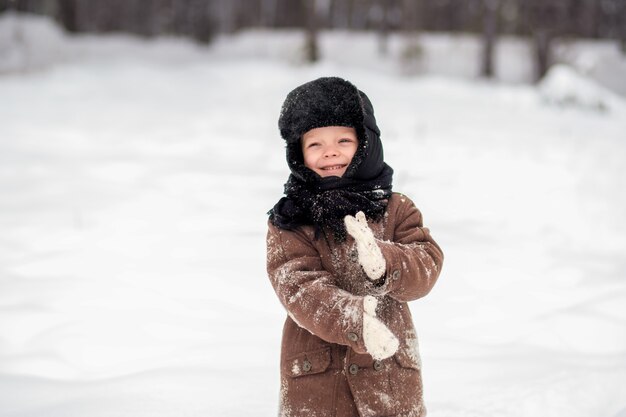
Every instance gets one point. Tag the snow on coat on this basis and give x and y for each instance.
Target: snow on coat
(326, 369)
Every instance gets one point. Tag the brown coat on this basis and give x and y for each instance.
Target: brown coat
(325, 369)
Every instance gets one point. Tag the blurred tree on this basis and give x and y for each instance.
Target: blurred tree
(268, 13)
(583, 17)
(67, 15)
(490, 28)
(22, 5)
(349, 10)
(411, 15)
(545, 20)
(290, 14)
(621, 22)
(7, 5)
(199, 23)
(46, 7)
(312, 29)
(614, 14)
(412, 52)
(381, 16)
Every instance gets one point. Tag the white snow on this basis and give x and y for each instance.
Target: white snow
(29, 42)
(563, 86)
(134, 181)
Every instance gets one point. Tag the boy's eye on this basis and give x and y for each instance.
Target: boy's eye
(344, 140)
(310, 145)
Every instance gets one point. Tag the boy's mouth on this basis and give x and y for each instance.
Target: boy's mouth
(333, 167)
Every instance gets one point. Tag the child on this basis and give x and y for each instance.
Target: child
(345, 255)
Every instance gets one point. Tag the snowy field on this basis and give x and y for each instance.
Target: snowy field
(134, 181)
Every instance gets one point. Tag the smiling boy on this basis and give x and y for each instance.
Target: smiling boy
(345, 254)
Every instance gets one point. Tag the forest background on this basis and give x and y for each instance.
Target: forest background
(541, 22)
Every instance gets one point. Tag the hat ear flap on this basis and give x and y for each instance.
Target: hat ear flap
(369, 121)
(368, 162)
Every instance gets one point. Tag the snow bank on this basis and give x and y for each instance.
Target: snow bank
(603, 62)
(29, 43)
(32, 42)
(564, 87)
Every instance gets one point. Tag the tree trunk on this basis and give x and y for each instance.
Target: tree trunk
(269, 11)
(383, 31)
(542, 53)
(490, 27)
(621, 21)
(545, 23)
(67, 15)
(409, 15)
(311, 44)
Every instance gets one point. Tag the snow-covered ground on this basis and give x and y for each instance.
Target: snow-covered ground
(134, 181)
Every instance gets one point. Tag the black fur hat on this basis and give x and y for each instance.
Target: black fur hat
(331, 101)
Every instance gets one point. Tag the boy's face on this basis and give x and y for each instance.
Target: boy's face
(329, 150)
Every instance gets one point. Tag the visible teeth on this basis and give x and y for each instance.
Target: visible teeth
(335, 167)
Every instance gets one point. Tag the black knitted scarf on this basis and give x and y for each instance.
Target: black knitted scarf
(324, 203)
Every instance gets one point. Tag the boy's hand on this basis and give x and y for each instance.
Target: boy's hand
(370, 256)
(380, 343)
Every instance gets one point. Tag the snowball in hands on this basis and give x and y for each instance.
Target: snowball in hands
(379, 341)
(370, 256)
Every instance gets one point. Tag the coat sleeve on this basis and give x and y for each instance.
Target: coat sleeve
(413, 258)
(309, 293)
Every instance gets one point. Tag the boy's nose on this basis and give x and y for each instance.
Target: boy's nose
(331, 151)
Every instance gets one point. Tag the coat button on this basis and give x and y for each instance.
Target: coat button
(395, 274)
(306, 366)
(353, 337)
(378, 365)
(354, 256)
(354, 369)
